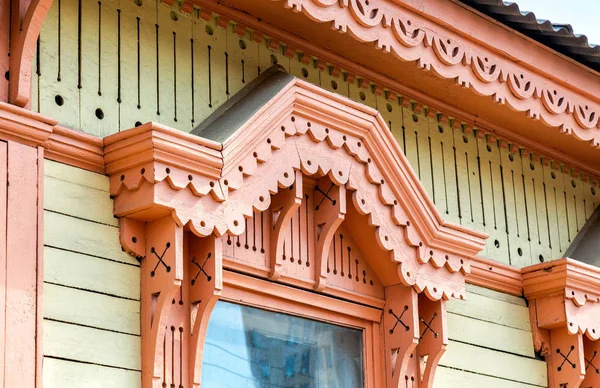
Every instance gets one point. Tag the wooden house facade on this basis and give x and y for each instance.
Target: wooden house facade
(294, 193)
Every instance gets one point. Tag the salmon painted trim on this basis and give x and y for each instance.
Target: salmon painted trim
(564, 303)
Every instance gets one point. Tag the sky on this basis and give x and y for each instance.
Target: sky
(583, 15)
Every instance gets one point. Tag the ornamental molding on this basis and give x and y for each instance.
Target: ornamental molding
(564, 303)
(306, 129)
(296, 195)
(412, 37)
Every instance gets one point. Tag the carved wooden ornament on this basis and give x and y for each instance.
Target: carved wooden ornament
(564, 302)
(312, 191)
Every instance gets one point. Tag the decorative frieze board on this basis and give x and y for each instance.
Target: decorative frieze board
(395, 92)
(411, 37)
(564, 300)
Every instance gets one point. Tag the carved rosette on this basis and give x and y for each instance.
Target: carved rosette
(411, 37)
(322, 183)
(564, 300)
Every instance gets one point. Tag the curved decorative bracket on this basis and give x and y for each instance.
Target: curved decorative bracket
(329, 213)
(415, 336)
(26, 26)
(181, 283)
(564, 302)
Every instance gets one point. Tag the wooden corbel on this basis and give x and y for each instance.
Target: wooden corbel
(181, 280)
(283, 206)
(564, 298)
(329, 213)
(415, 336)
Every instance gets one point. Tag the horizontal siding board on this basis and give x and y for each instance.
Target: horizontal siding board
(91, 273)
(494, 363)
(452, 378)
(78, 201)
(74, 234)
(95, 346)
(489, 335)
(63, 373)
(91, 309)
(491, 310)
(75, 175)
(471, 289)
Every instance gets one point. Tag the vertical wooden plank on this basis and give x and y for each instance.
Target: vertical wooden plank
(463, 178)
(424, 154)
(58, 72)
(437, 165)
(473, 168)
(39, 334)
(536, 210)
(304, 71)
(209, 68)
(270, 53)
(363, 93)
(449, 171)
(165, 46)
(3, 257)
(21, 266)
(182, 70)
(138, 63)
(332, 83)
(579, 204)
(242, 60)
(493, 201)
(507, 180)
(569, 196)
(409, 138)
(4, 48)
(552, 215)
(99, 83)
(558, 190)
(35, 83)
(394, 119)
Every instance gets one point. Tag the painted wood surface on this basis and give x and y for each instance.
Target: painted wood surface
(177, 69)
(490, 344)
(92, 288)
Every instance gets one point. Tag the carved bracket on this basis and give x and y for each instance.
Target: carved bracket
(415, 336)
(181, 283)
(329, 213)
(565, 310)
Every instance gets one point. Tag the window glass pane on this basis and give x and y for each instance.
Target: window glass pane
(253, 348)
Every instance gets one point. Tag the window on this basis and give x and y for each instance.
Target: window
(254, 348)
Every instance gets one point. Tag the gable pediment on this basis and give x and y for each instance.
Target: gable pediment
(301, 131)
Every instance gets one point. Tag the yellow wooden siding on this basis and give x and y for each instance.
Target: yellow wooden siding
(148, 63)
(91, 287)
(490, 344)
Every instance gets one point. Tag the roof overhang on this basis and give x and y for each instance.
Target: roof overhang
(452, 45)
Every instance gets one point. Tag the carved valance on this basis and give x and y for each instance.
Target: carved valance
(564, 300)
(312, 191)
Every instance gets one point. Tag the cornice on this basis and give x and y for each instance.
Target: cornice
(564, 298)
(412, 37)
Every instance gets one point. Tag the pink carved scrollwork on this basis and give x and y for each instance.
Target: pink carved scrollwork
(485, 68)
(406, 32)
(448, 50)
(520, 85)
(366, 12)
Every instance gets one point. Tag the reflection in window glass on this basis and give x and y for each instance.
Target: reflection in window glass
(252, 348)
